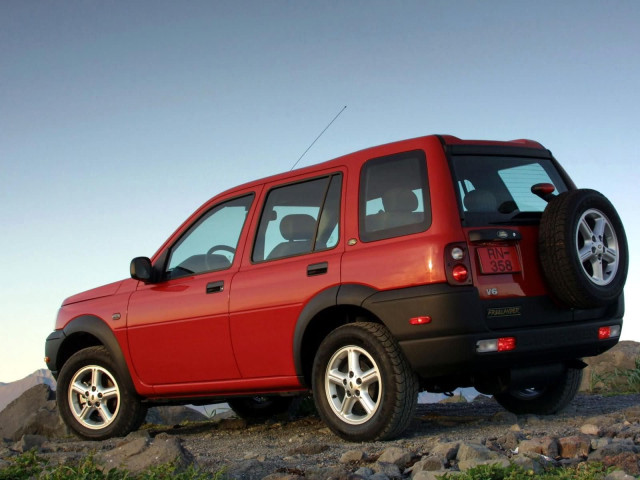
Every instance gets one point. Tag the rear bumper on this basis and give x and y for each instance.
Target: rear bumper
(436, 357)
(544, 332)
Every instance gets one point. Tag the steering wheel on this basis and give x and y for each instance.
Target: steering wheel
(215, 248)
(226, 248)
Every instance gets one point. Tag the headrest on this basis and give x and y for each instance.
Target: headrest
(480, 201)
(298, 227)
(399, 200)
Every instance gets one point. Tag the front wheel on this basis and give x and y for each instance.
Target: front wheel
(545, 400)
(363, 387)
(94, 400)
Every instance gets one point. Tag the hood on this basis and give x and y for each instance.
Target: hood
(103, 291)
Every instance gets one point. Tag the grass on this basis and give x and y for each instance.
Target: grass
(29, 465)
(583, 471)
(618, 382)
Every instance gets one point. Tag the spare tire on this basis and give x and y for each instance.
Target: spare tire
(583, 249)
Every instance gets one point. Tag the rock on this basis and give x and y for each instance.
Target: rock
(613, 449)
(465, 465)
(140, 453)
(510, 441)
(529, 464)
(395, 455)
(391, 470)
(597, 443)
(620, 357)
(32, 413)
(30, 442)
(619, 475)
(547, 446)
(173, 415)
(430, 463)
(378, 476)
(590, 429)
(364, 472)
(432, 475)
(446, 450)
(326, 473)
(282, 476)
(474, 451)
(627, 461)
(454, 399)
(573, 447)
(353, 456)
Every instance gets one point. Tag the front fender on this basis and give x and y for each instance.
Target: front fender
(81, 332)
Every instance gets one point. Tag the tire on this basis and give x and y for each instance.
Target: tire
(547, 400)
(583, 249)
(260, 408)
(94, 399)
(356, 357)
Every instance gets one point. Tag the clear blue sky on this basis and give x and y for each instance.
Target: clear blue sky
(118, 119)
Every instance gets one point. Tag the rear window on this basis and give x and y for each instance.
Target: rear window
(497, 190)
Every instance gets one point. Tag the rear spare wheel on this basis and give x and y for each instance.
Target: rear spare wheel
(583, 249)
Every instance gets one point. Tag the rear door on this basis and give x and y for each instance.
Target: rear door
(501, 214)
(295, 255)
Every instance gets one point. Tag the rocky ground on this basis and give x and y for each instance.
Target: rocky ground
(445, 437)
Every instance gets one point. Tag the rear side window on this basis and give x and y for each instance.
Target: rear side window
(496, 190)
(299, 218)
(394, 196)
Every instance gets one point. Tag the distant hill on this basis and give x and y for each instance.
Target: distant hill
(11, 391)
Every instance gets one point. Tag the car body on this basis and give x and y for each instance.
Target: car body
(426, 264)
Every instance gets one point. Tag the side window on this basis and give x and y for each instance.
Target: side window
(210, 244)
(299, 218)
(394, 196)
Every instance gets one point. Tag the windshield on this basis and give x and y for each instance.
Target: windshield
(497, 190)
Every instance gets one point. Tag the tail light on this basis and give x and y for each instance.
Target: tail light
(457, 264)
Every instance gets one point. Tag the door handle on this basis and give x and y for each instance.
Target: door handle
(215, 287)
(317, 269)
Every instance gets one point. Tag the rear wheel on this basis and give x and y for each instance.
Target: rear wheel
(260, 408)
(544, 400)
(363, 386)
(94, 399)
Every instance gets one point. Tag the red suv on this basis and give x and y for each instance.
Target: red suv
(426, 264)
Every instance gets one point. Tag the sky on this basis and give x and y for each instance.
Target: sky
(118, 119)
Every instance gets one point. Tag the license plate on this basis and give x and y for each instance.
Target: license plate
(494, 260)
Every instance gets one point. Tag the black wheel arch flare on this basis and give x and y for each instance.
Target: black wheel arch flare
(350, 295)
(81, 332)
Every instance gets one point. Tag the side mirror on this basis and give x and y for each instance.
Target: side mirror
(141, 269)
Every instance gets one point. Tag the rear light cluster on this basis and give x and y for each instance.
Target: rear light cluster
(457, 264)
(503, 344)
(608, 332)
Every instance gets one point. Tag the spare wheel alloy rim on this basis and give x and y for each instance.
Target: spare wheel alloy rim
(94, 397)
(597, 247)
(353, 385)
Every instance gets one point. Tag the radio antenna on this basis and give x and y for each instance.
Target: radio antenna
(325, 129)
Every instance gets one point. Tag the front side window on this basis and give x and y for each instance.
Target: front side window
(210, 244)
(299, 218)
(394, 196)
